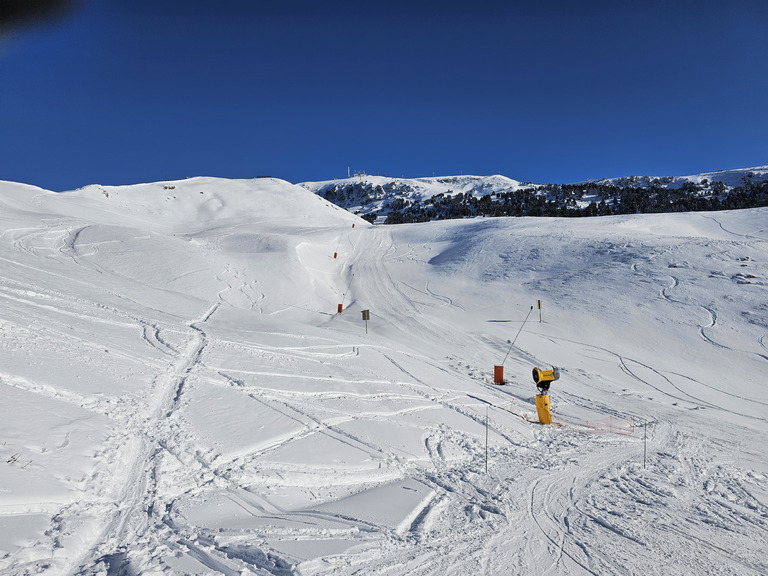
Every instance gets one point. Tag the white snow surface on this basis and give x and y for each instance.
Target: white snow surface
(181, 396)
(731, 178)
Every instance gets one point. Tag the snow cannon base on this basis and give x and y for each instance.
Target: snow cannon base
(542, 408)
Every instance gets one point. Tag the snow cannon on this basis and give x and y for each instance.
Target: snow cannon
(543, 378)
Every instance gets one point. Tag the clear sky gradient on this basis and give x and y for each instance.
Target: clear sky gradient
(128, 91)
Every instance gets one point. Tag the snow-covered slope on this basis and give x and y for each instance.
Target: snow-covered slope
(180, 394)
(731, 178)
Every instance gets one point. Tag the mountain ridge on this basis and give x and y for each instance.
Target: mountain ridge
(396, 200)
(389, 200)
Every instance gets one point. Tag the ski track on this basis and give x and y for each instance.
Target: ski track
(136, 519)
(711, 313)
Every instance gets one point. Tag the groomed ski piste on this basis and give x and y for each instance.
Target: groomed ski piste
(181, 396)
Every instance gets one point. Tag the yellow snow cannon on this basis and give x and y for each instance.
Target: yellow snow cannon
(542, 379)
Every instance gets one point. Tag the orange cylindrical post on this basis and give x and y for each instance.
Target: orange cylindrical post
(335, 254)
(498, 374)
(341, 307)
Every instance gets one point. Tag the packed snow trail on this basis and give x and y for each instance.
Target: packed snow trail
(141, 507)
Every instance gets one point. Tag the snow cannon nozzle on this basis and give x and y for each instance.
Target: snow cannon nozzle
(543, 378)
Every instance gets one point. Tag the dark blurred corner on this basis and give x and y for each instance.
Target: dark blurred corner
(19, 14)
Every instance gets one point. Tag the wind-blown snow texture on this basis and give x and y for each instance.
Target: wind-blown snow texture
(180, 396)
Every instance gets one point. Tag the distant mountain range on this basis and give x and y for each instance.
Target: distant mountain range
(382, 199)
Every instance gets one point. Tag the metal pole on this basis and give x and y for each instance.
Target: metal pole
(645, 441)
(518, 334)
(486, 439)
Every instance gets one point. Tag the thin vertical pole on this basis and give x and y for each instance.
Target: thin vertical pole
(486, 439)
(645, 441)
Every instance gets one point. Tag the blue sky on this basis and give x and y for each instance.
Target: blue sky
(128, 91)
